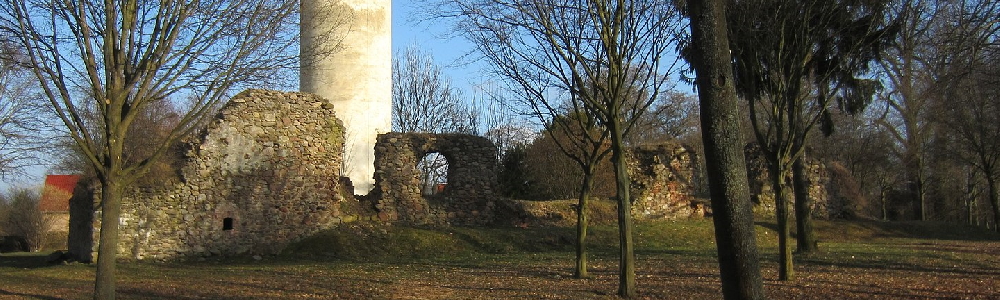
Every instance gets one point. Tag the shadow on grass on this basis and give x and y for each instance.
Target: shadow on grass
(688, 253)
(900, 266)
(24, 260)
(930, 230)
(4, 292)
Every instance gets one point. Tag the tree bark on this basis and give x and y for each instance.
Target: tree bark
(994, 200)
(786, 270)
(104, 283)
(626, 277)
(922, 194)
(725, 164)
(915, 173)
(806, 236)
(970, 196)
(581, 225)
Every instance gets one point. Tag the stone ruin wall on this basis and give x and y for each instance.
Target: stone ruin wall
(663, 176)
(468, 197)
(263, 174)
(824, 205)
(266, 172)
(663, 181)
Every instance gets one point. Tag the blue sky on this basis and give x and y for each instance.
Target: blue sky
(433, 37)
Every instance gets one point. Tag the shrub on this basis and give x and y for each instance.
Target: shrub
(21, 217)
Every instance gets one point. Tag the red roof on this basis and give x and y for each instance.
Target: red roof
(58, 189)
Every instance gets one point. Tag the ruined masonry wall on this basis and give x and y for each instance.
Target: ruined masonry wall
(469, 196)
(817, 180)
(663, 178)
(263, 174)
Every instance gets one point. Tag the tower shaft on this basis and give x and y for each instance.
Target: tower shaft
(346, 58)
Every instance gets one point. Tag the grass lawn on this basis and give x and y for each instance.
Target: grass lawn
(676, 260)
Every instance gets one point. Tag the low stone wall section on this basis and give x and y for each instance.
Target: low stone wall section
(468, 197)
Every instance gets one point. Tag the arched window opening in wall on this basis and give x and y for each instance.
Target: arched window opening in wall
(227, 224)
(433, 170)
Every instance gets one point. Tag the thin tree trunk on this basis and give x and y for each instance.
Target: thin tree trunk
(806, 237)
(994, 200)
(921, 194)
(884, 203)
(581, 225)
(104, 284)
(916, 171)
(626, 279)
(739, 266)
(786, 270)
(970, 196)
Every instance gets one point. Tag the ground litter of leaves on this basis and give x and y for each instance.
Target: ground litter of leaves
(855, 267)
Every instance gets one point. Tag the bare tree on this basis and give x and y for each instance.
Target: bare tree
(581, 138)
(510, 133)
(969, 81)
(22, 217)
(502, 122)
(673, 116)
(544, 157)
(121, 56)
(915, 67)
(907, 70)
(22, 114)
(423, 100)
(864, 150)
(150, 127)
(605, 54)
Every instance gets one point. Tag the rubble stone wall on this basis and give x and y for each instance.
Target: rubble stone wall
(469, 197)
(817, 180)
(663, 182)
(262, 175)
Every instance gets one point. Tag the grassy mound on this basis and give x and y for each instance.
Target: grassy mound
(382, 243)
(375, 242)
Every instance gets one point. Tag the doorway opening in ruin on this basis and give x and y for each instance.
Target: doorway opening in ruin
(433, 170)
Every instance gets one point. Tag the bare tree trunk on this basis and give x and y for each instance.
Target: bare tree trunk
(915, 173)
(626, 279)
(806, 237)
(581, 224)
(739, 267)
(104, 284)
(970, 195)
(883, 198)
(994, 200)
(922, 195)
(786, 270)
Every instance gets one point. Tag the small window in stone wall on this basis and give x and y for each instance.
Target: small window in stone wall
(227, 224)
(433, 170)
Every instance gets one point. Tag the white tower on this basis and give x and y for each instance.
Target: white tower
(346, 54)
